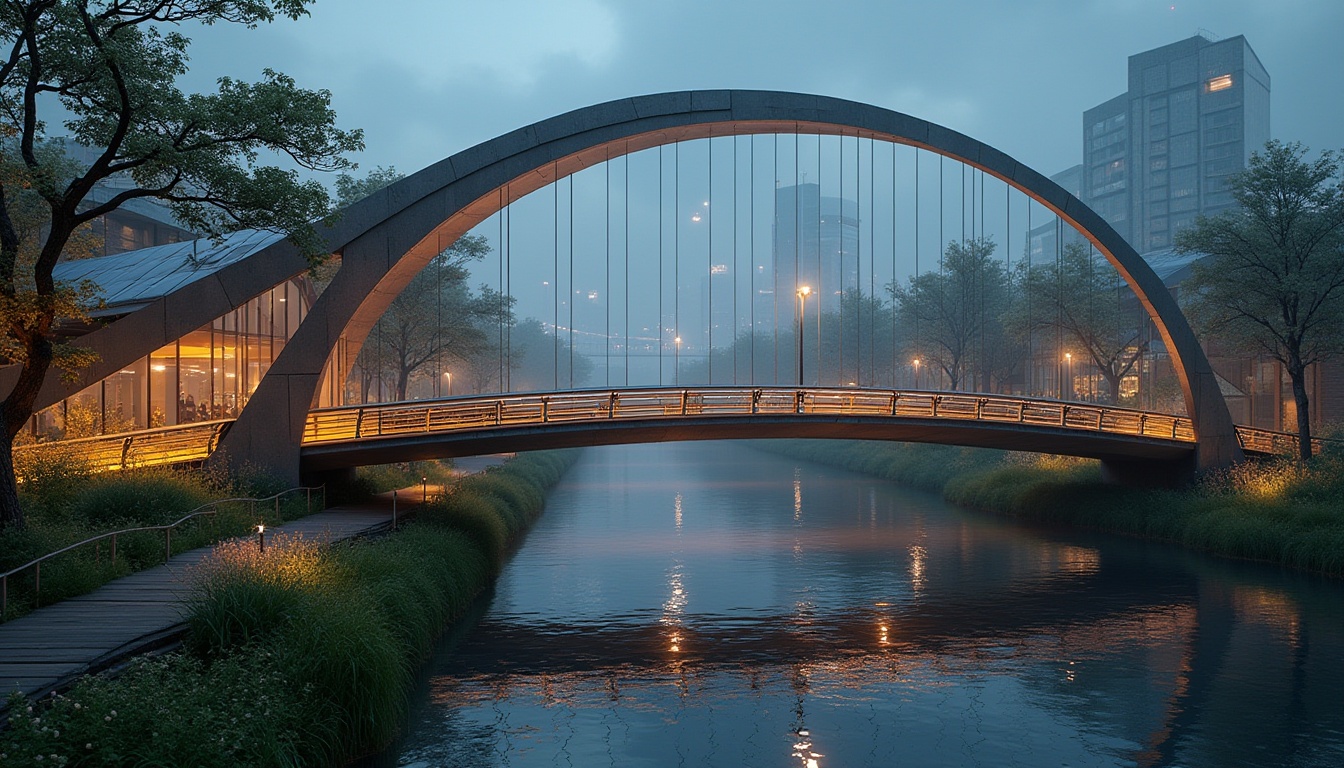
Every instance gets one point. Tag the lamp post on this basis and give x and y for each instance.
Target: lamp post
(916, 373)
(448, 375)
(803, 292)
(676, 362)
(1068, 376)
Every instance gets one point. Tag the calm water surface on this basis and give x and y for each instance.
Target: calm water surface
(709, 605)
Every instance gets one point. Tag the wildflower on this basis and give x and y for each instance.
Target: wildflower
(38, 758)
(114, 713)
(77, 705)
(89, 745)
(107, 718)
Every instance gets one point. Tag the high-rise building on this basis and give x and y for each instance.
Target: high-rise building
(816, 243)
(1158, 155)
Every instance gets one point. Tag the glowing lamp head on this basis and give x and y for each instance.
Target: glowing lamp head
(804, 290)
(261, 527)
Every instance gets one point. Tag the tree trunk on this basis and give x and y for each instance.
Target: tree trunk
(1297, 373)
(11, 514)
(15, 411)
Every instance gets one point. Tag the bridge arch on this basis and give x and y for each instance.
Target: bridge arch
(384, 240)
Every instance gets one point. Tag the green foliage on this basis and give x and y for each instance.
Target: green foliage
(953, 318)
(67, 504)
(1272, 511)
(1083, 297)
(1272, 280)
(301, 655)
(110, 72)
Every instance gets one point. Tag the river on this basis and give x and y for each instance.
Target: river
(706, 604)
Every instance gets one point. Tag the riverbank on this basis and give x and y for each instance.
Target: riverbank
(301, 655)
(1272, 511)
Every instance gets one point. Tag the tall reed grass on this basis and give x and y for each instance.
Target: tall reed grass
(1274, 511)
(321, 640)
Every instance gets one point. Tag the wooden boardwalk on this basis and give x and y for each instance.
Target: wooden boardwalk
(50, 647)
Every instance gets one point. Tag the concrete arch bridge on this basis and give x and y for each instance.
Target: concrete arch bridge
(292, 424)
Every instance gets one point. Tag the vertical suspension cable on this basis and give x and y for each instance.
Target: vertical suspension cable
(736, 266)
(555, 274)
(893, 264)
(508, 291)
(501, 289)
(840, 237)
(751, 244)
(661, 270)
(606, 296)
(676, 262)
(627, 264)
(709, 250)
(571, 281)
(872, 265)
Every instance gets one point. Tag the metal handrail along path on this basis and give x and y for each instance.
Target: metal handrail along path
(209, 508)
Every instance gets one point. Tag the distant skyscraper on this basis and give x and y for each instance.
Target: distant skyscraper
(816, 243)
(1158, 155)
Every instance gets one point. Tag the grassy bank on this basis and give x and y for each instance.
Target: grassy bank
(302, 655)
(65, 502)
(1270, 511)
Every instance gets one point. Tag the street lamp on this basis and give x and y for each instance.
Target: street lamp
(916, 373)
(803, 291)
(1068, 374)
(676, 362)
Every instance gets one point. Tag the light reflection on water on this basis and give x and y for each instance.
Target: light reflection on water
(704, 605)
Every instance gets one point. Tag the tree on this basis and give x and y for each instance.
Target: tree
(953, 318)
(109, 69)
(1272, 279)
(1084, 298)
(434, 319)
(543, 359)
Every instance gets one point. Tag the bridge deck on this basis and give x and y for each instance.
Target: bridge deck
(461, 426)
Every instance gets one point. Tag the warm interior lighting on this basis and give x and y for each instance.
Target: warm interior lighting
(1220, 83)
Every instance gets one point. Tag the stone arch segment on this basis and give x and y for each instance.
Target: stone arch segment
(385, 239)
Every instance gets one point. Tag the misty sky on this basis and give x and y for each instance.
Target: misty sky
(428, 78)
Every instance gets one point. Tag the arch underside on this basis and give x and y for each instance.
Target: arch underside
(390, 236)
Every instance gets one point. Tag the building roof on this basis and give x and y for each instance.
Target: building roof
(130, 280)
(1171, 265)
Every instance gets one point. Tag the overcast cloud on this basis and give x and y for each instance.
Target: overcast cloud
(428, 78)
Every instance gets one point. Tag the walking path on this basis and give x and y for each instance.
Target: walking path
(50, 647)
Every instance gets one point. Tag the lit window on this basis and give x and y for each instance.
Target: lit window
(1220, 83)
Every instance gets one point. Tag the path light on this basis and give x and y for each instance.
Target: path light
(916, 373)
(261, 538)
(424, 489)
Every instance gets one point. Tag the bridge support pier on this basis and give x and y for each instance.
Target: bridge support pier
(1146, 473)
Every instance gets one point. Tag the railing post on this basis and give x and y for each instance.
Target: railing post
(545, 409)
(359, 423)
(611, 411)
(394, 509)
(1022, 412)
(4, 596)
(1143, 424)
(683, 402)
(167, 544)
(1063, 415)
(979, 409)
(114, 549)
(308, 508)
(934, 404)
(499, 413)
(125, 450)
(37, 585)
(895, 398)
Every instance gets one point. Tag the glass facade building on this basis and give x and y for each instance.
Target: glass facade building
(1158, 155)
